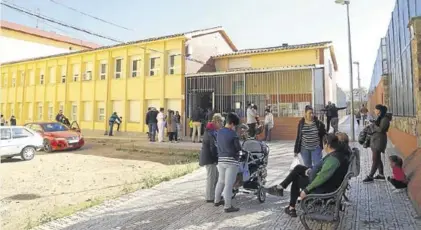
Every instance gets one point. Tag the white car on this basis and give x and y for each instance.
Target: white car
(19, 141)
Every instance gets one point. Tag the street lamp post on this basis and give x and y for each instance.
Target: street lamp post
(351, 83)
(359, 82)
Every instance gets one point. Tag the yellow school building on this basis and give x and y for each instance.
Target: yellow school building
(177, 72)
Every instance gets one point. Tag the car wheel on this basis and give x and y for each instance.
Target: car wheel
(47, 146)
(28, 153)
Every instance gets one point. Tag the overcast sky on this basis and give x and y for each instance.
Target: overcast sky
(249, 23)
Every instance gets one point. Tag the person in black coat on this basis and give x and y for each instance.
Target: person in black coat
(209, 156)
(13, 120)
(378, 142)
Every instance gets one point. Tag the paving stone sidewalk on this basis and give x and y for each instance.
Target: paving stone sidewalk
(178, 204)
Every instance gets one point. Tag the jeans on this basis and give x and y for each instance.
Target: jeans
(111, 125)
(268, 132)
(152, 131)
(211, 180)
(377, 163)
(311, 157)
(177, 134)
(299, 181)
(226, 179)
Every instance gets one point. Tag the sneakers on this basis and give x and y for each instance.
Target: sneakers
(368, 179)
(219, 203)
(290, 212)
(231, 209)
(379, 177)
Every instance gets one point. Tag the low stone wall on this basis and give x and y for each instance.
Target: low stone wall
(412, 167)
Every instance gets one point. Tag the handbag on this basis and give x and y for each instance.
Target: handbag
(298, 160)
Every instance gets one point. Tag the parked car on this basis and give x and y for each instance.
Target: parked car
(58, 136)
(19, 141)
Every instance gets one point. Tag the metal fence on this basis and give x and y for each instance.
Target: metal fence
(285, 92)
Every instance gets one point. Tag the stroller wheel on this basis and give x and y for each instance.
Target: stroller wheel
(261, 194)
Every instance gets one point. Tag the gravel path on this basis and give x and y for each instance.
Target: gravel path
(178, 204)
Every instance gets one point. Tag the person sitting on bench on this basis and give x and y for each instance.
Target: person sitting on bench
(325, 177)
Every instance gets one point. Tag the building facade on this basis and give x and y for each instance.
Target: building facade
(19, 42)
(286, 78)
(89, 85)
(396, 83)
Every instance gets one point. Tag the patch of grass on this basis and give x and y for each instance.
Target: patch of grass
(148, 182)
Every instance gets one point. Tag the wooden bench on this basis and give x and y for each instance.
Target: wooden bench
(327, 207)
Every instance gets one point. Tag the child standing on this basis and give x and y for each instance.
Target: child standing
(398, 180)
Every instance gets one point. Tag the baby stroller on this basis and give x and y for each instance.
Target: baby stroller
(253, 164)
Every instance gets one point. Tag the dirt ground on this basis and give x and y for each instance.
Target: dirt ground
(58, 184)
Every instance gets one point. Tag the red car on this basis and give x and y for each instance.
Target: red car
(58, 136)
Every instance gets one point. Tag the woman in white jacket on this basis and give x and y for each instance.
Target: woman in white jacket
(268, 124)
(161, 124)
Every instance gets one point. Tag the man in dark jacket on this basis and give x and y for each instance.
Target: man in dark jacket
(13, 120)
(59, 116)
(335, 117)
(328, 115)
(151, 121)
(114, 117)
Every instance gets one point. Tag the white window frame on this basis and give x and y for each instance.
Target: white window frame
(75, 72)
(101, 114)
(154, 71)
(103, 75)
(118, 75)
(13, 83)
(87, 76)
(74, 112)
(100, 107)
(174, 67)
(135, 73)
(63, 77)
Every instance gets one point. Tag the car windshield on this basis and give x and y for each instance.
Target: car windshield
(54, 127)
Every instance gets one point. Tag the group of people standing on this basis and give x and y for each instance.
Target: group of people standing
(158, 121)
(3, 121)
